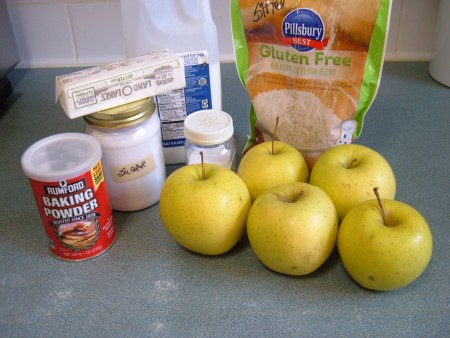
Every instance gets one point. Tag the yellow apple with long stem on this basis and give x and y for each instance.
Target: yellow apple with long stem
(271, 163)
(384, 244)
(204, 207)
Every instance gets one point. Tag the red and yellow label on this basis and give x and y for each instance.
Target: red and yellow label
(76, 214)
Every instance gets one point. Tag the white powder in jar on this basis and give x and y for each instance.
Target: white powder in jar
(132, 153)
(304, 121)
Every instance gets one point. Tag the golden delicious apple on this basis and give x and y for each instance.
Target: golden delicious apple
(205, 214)
(292, 228)
(348, 173)
(384, 254)
(269, 164)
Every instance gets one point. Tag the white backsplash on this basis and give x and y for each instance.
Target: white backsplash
(52, 33)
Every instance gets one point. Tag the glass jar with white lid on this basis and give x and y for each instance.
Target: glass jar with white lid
(211, 132)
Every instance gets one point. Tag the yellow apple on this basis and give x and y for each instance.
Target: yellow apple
(262, 169)
(348, 173)
(205, 211)
(292, 228)
(384, 254)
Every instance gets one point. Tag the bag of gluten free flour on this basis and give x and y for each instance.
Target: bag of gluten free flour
(316, 64)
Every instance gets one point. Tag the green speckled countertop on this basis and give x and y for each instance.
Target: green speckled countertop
(147, 285)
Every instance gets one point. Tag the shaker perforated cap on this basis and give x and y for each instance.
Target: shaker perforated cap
(208, 127)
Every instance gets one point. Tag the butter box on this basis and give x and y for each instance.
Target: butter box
(98, 88)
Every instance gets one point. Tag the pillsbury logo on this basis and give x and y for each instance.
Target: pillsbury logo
(303, 30)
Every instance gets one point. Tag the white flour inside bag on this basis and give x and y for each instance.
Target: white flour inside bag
(316, 64)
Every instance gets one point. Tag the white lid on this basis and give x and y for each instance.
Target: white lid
(208, 127)
(60, 157)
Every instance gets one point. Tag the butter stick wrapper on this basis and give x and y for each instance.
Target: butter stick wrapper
(103, 87)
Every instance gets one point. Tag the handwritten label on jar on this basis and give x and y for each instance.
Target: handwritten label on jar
(133, 171)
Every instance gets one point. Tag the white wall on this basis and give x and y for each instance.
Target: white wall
(52, 33)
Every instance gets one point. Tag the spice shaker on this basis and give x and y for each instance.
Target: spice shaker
(210, 131)
(133, 159)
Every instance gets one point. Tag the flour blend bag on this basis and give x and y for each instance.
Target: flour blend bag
(316, 64)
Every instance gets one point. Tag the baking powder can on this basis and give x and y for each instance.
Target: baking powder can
(69, 187)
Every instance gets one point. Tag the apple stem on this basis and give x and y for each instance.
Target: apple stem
(203, 166)
(274, 134)
(299, 195)
(353, 162)
(383, 214)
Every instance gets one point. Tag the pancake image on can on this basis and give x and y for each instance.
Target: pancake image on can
(78, 235)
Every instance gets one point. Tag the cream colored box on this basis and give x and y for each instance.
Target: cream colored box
(98, 88)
